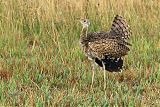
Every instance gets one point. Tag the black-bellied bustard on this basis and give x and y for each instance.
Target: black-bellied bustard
(106, 48)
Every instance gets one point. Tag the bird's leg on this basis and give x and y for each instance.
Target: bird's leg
(93, 70)
(104, 71)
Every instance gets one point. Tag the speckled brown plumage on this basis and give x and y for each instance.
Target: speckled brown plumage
(109, 47)
(97, 45)
(106, 48)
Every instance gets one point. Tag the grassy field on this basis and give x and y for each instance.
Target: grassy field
(41, 63)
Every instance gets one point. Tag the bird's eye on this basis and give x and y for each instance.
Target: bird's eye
(84, 20)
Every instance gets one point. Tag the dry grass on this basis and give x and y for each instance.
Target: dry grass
(41, 63)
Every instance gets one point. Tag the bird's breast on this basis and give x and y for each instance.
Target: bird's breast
(85, 49)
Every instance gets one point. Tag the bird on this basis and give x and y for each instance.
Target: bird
(106, 48)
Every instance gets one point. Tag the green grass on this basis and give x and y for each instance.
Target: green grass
(41, 63)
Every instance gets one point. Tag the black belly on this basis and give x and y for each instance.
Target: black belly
(111, 64)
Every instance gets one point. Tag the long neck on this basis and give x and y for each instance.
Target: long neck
(83, 35)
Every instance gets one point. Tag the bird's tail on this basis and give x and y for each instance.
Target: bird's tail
(120, 28)
(111, 64)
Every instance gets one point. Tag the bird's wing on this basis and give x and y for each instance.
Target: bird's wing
(94, 36)
(120, 28)
(110, 47)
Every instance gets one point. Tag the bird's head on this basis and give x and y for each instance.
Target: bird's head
(85, 22)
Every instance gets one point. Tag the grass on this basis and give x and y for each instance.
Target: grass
(41, 63)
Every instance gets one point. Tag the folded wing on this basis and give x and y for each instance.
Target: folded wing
(110, 47)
